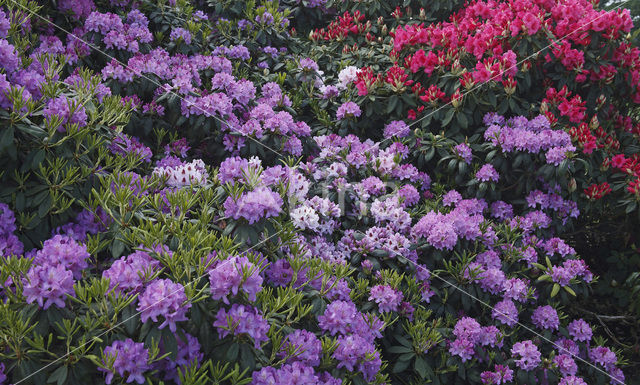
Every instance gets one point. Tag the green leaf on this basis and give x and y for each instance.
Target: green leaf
(232, 352)
(400, 366)
(422, 367)
(400, 349)
(59, 375)
(463, 122)
(117, 248)
(448, 117)
(392, 103)
(247, 358)
(555, 290)
(6, 139)
(570, 290)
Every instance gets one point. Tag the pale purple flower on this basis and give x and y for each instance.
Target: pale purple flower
(131, 361)
(487, 173)
(240, 320)
(527, 355)
(303, 346)
(572, 380)
(164, 298)
(397, 128)
(48, 285)
(351, 354)
(603, 356)
(348, 110)
(464, 152)
(129, 273)
(501, 375)
(180, 33)
(566, 365)
(254, 205)
(580, 330)
(387, 298)
(506, 312)
(226, 277)
(462, 348)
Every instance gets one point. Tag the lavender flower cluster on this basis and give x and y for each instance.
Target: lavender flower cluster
(532, 136)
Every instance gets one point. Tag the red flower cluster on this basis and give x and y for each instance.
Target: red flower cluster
(340, 28)
(597, 191)
(573, 108)
(366, 80)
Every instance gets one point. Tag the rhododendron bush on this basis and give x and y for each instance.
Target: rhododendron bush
(318, 192)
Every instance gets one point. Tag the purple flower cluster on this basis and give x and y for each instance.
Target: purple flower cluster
(463, 151)
(570, 269)
(233, 52)
(487, 173)
(533, 136)
(78, 9)
(165, 298)
(242, 320)
(396, 128)
(124, 145)
(580, 330)
(302, 346)
(342, 317)
(254, 205)
(387, 298)
(64, 251)
(179, 33)
(442, 231)
(546, 317)
(130, 361)
(468, 334)
(506, 312)
(228, 276)
(48, 285)
(292, 374)
(554, 202)
(9, 242)
(527, 355)
(348, 110)
(566, 365)
(129, 274)
(355, 352)
(501, 375)
(68, 111)
(117, 34)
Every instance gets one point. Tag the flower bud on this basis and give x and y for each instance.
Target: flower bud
(573, 185)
